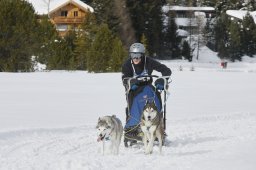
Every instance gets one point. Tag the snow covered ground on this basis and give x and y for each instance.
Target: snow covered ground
(48, 119)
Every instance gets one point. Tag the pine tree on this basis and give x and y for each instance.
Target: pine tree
(85, 37)
(62, 53)
(147, 19)
(80, 53)
(71, 38)
(89, 27)
(104, 12)
(154, 28)
(235, 42)
(251, 5)
(58, 59)
(118, 56)
(208, 3)
(87, 1)
(18, 36)
(222, 36)
(99, 53)
(248, 35)
(46, 40)
(172, 40)
(186, 51)
(223, 5)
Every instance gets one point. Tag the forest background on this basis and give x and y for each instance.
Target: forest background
(102, 42)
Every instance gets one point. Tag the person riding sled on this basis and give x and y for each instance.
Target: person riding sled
(138, 91)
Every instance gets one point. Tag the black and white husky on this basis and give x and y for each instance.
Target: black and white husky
(152, 127)
(110, 128)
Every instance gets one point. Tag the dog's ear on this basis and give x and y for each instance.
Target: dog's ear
(142, 116)
(108, 122)
(113, 116)
(146, 102)
(99, 119)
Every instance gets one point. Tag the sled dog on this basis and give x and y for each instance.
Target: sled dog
(110, 128)
(152, 127)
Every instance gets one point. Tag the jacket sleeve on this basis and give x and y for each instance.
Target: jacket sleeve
(126, 74)
(163, 69)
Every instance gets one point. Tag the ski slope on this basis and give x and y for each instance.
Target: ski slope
(48, 119)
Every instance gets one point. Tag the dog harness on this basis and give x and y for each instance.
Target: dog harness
(143, 73)
(153, 121)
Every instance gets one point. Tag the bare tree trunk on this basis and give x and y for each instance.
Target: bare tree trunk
(47, 3)
(126, 29)
(200, 26)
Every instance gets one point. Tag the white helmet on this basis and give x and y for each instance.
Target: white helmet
(137, 48)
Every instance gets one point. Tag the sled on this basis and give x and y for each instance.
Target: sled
(136, 101)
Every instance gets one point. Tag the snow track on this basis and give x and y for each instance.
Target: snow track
(48, 119)
(196, 142)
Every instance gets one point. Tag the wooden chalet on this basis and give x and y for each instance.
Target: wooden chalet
(69, 15)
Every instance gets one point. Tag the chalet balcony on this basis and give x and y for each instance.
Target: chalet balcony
(68, 20)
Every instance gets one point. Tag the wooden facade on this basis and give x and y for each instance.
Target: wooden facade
(68, 16)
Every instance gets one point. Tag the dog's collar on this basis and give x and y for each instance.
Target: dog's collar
(154, 120)
(109, 135)
(106, 137)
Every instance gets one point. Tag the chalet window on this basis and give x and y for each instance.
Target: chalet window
(75, 13)
(61, 27)
(64, 13)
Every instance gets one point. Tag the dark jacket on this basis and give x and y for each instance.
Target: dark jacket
(150, 66)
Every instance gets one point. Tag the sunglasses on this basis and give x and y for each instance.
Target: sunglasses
(135, 55)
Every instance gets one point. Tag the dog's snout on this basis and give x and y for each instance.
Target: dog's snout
(149, 117)
(100, 135)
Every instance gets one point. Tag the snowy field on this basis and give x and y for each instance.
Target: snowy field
(48, 119)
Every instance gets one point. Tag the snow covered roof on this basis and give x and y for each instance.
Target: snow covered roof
(240, 14)
(183, 8)
(182, 33)
(186, 22)
(41, 6)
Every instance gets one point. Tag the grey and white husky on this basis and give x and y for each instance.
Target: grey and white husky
(152, 127)
(110, 128)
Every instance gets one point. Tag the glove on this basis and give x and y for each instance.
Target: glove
(134, 87)
(159, 84)
(159, 87)
(133, 84)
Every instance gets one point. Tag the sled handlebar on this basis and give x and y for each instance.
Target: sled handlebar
(145, 77)
(141, 77)
(151, 76)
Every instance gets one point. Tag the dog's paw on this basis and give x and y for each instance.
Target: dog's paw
(147, 151)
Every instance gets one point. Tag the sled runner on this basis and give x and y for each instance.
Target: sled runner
(136, 100)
